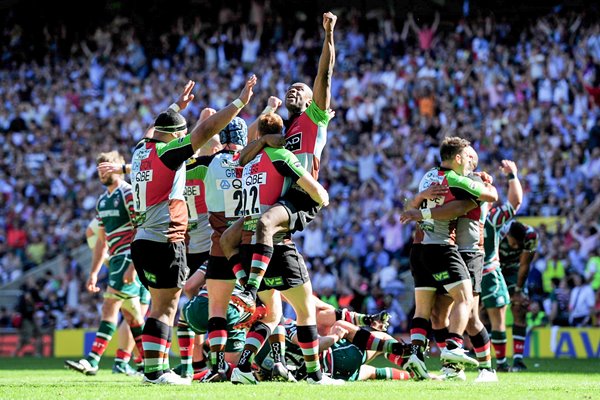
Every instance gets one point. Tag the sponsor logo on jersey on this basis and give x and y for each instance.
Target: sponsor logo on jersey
(440, 276)
(109, 213)
(236, 183)
(255, 179)
(143, 176)
(102, 203)
(191, 191)
(294, 142)
(116, 202)
(274, 281)
(142, 154)
(473, 185)
(224, 184)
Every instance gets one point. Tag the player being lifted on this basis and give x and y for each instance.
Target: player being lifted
(306, 135)
(265, 179)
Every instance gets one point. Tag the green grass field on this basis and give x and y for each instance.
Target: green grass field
(31, 378)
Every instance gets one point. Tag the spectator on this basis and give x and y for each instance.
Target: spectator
(535, 317)
(581, 302)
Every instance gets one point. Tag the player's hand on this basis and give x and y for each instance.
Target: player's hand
(329, 20)
(508, 167)
(91, 284)
(434, 191)
(186, 95)
(519, 299)
(207, 113)
(339, 331)
(485, 177)
(274, 102)
(411, 216)
(106, 168)
(274, 140)
(129, 275)
(247, 90)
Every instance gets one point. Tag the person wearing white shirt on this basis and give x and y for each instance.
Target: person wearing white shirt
(581, 302)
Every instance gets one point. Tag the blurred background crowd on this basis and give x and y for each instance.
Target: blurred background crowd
(520, 86)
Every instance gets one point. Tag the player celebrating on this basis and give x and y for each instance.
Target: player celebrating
(158, 249)
(346, 350)
(306, 134)
(265, 179)
(435, 261)
(114, 212)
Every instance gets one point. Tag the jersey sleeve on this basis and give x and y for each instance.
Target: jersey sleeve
(100, 224)
(174, 153)
(128, 197)
(286, 163)
(318, 116)
(463, 187)
(531, 241)
(498, 216)
(196, 168)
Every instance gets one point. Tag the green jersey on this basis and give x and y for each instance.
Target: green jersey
(496, 218)
(115, 213)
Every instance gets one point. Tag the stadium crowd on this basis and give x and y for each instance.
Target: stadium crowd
(529, 92)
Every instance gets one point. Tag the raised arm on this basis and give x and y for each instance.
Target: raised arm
(436, 22)
(215, 123)
(272, 105)
(322, 86)
(515, 190)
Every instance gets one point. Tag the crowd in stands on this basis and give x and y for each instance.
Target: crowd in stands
(528, 92)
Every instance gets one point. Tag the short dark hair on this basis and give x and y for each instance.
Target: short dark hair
(270, 123)
(518, 231)
(451, 146)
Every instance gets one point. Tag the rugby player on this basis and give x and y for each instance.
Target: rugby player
(265, 179)
(306, 135)
(435, 261)
(158, 248)
(115, 215)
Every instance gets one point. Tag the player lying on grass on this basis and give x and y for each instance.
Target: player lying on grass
(345, 353)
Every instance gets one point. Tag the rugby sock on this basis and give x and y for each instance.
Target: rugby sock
(519, 335)
(391, 374)
(255, 339)
(454, 341)
(103, 336)
(355, 318)
(185, 339)
(122, 356)
(260, 261)
(499, 342)
(440, 336)
(419, 331)
(277, 342)
(217, 339)
(481, 345)
(235, 263)
(165, 362)
(155, 339)
(139, 361)
(198, 365)
(365, 340)
(308, 340)
(396, 359)
(136, 332)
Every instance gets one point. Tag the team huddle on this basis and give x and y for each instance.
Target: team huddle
(211, 213)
